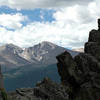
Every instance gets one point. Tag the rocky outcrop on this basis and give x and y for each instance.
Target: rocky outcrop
(81, 74)
(48, 90)
(93, 45)
(45, 90)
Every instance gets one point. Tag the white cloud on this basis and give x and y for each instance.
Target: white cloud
(12, 21)
(70, 28)
(31, 4)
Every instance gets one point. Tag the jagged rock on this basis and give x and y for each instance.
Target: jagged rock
(23, 94)
(89, 70)
(93, 45)
(93, 48)
(48, 90)
(84, 83)
(94, 36)
(66, 66)
(87, 63)
(85, 72)
(45, 90)
(67, 71)
(98, 24)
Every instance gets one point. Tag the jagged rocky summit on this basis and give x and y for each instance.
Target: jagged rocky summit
(80, 76)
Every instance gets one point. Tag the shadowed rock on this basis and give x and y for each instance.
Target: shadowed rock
(93, 45)
(98, 24)
(48, 90)
(81, 74)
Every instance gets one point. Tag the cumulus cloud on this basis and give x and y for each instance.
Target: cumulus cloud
(66, 36)
(12, 21)
(70, 28)
(31, 4)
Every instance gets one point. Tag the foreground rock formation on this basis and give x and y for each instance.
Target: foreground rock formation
(45, 90)
(80, 76)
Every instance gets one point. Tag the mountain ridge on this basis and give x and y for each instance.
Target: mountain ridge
(43, 53)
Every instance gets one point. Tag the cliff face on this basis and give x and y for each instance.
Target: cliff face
(80, 76)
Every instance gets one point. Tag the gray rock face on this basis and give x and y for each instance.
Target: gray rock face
(44, 53)
(9, 57)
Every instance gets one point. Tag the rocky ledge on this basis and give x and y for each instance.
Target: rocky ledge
(80, 76)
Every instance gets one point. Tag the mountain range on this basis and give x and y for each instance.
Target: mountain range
(24, 67)
(12, 56)
(81, 50)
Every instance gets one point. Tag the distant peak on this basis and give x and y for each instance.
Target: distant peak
(10, 47)
(47, 42)
(10, 44)
(78, 49)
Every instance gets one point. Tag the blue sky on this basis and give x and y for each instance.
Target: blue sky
(63, 22)
(33, 15)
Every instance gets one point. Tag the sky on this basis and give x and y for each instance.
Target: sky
(64, 22)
